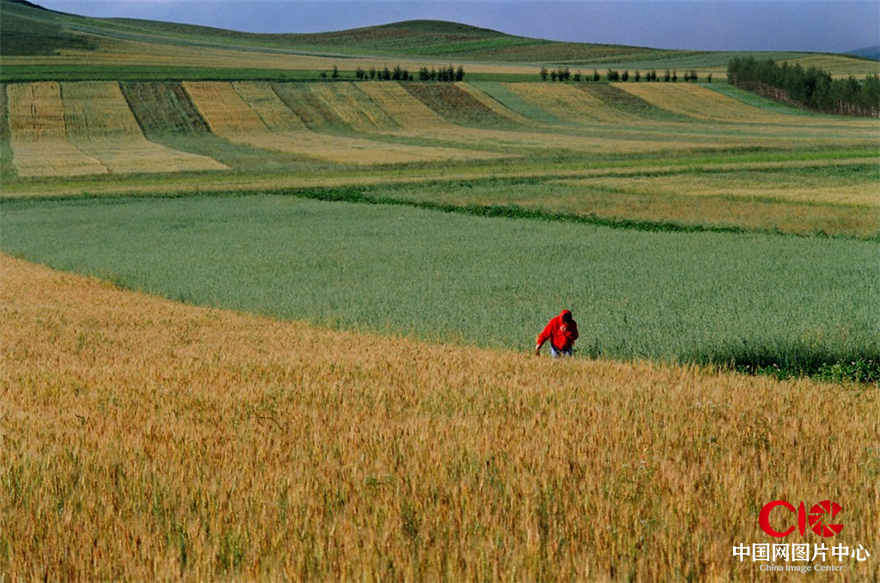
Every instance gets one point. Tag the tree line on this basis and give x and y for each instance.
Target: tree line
(812, 88)
(612, 75)
(398, 73)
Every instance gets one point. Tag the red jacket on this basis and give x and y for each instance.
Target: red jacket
(561, 334)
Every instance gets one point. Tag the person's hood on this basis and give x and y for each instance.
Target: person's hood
(563, 313)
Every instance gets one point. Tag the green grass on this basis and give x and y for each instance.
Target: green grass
(751, 300)
(514, 102)
(7, 170)
(29, 31)
(38, 72)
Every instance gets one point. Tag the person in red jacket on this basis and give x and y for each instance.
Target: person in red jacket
(561, 331)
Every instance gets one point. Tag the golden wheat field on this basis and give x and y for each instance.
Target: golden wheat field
(145, 439)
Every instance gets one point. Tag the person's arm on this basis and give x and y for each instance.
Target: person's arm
(543, 336)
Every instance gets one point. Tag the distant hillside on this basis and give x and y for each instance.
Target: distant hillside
(162, 49)
(24, 24)
(867, 53)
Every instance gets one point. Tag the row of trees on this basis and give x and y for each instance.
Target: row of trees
(812, 88)
(398, 73)
(564, 74)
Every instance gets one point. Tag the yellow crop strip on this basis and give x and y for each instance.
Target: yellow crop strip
(353, 106)
(702, 103)
(407, 111)
(149, 440)
(100, 123)
(569, 103)
(38, 134)
(241, 114)
(223, 108)
(266, 104)
(826, 191)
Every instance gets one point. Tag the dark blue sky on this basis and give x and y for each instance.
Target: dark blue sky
(812, 25)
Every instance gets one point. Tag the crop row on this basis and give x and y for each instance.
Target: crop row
(58, 129)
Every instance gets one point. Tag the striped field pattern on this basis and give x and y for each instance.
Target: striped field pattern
(38, 134)
(568, 103)
(100, 123)
(246, 114)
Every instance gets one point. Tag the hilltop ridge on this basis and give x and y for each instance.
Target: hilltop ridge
(39, 43)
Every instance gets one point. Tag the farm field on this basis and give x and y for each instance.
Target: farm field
(203, 441)
(264, 321)
(258, 135)
(719, 298)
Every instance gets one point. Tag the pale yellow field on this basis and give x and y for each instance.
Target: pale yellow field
(149, 440)
(225, 111)
(265, 103)
(569, 103)
(230, 116)
(100, 124)
(407, 111)
(353, 106)
(806, 189)
(38, 135)
(702, 103)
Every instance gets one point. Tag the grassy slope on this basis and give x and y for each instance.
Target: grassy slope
(31, 31)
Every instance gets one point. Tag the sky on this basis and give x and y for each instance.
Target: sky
(777, 25)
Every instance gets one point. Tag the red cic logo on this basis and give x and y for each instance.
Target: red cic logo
(819, 518)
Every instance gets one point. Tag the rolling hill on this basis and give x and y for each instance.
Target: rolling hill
(43, 44)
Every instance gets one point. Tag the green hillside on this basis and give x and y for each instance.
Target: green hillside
(27, 30)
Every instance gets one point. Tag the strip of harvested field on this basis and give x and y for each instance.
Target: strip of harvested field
(38, 135)
(702, 103)
(353, 106)
(306, 105)
(232, 117)
(310, 178)
(272, 111)
(568, 103)
(456, 105)
(223, 108)
(862, 188)
(407, 111)
(100, 123)
(620, 100)
(167, 115)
